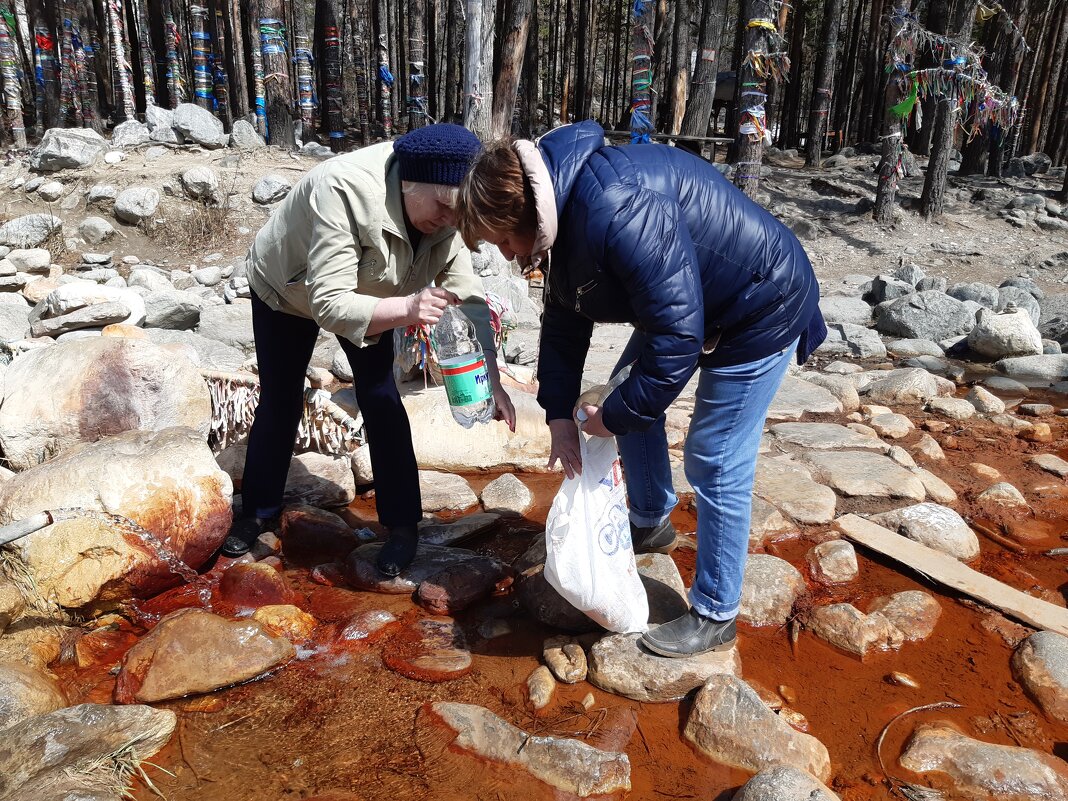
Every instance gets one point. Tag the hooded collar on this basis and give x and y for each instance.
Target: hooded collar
(544, 200)
(565, 151)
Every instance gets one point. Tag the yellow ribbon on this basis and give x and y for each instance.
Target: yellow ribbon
(762, 23)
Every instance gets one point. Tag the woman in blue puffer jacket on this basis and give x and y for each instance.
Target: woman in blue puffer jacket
(656, 237)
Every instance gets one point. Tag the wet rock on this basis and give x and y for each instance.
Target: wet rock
(983, 770)
(270, 189)
(366, 625)
(1051, 464)
(929, 315)
(1048, 367)
(784, 783)
(320, 479)
(824, 436)
(797, 397)
(833, 562)
(250, 586)
(445, 492)
(69, 754)
(904, 348)
(856, 473)
(999, 336)
(789, 486)
(29, 230)
(985, 402)
(136, 203)
(565, 658)
(770, 587)
(25, 692)
(766, 523)
(730, 724)
(285, 620)
(568, 765)
(456, 532)
(142, 475)
(619, 664)
(192, 651)
(67, 149)
(431, 649)
(908, 386)
(1003, 494)
(460, 585)
(73, 392)
(361, 573)
(953, 408)
(1040, 664)
(894, 426)
(507, 495)
(199, 125)
(541, 686)
(841, 387)
(663, 587)
(913, 612)
(845, 626)
(541, 601)
(243, 136)
(308, 532)
(856, 341)
(935, 526)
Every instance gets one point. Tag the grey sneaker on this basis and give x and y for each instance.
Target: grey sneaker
(690, 635)
(654, 539)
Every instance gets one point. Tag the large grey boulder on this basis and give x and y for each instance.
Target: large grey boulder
(1040, 664)
(204, 352)
(172, 308)
(929, 315)
(784, 783)
(983, 294)
(843, 309)
(67, 149)
(230, 324)
(29, 230)
(81, 391)
(199, 125)
(14, 322)
(905, 386)
(201, 182)
(76, 295)
(243, 136)
(858, 341)
(95, 230)
(1054, 320)
(1048, 367)
(136, 203)
(130, 133)
(1000, 336)
(270, 189)
(1022, 299)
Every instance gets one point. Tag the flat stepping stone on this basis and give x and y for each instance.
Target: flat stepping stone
(1051, 464)
(770, 586)
(663, 586)
(825, 436)
(619, 664)
(434, 533)
(935, 526)
(459, 585)
(432, 649)
(797, 397)
(790, 488)
(445, 492)
(860, 474)
(361, 573)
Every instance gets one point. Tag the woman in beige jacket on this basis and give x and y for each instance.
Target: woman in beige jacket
(353, 250)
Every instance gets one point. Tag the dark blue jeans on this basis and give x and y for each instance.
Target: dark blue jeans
(284, 345)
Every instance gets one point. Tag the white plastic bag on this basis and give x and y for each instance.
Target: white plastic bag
(590, 558)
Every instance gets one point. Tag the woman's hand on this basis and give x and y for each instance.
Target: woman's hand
(565, 447)
(593, 424)
(505, 409)
(427, 306)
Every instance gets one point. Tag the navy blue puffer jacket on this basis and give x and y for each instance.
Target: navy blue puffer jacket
(654, 236)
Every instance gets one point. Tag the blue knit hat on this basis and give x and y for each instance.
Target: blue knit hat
(436, 154)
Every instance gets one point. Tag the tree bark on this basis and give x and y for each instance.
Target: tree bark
(752, 90)
(417, 100)
(821, 88)
(302, 59)
(893, 131)
(363, 83)
(582, 66)
(385, 105)
(665, 26)
(530, 81)
(566, 109)
(846, 82)
(679, 77)
(454, 37)
(46, 64)
(478, 79)
(933, 200)
(513, 50)
(1062, 196)
(278, 90)
(699, 108)
(237, 65)
(1040, 87)
(1054, 79)
(328, 20)
(791, 111)
(873, 71)
(9, 60)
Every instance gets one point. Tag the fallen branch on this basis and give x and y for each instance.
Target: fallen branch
(946, 570)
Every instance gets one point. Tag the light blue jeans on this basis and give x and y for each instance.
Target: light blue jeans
(721, 455)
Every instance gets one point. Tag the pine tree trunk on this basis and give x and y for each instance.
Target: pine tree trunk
(582, 67)
(699, 108)
(752, 91)
(530, 81)
(453, 108)
(478, 96)
(678, 79)
(363, 83)
(12, 89)
(513, 50)
(277, 87)
(175, 95)
(144, 46)
(974, 151)
(789, 130)
(46, 65)
(328, 22)
(385, 107)
(1039, 90)
(87, 66)
(433, 82)
(399, 57)
(893, 131)
(873, 71)
(933, 200)
(302, 59)
(1051, 87)
(202, 84)
(642, 45)
(69, 99)
(239, 94)
(566, 109)
(417, 101)
(665, 28)
(591, 62)
(1062, 196)
(846, 82)
(820, 106)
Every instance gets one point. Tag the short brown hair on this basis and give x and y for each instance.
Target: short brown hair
(495, 196)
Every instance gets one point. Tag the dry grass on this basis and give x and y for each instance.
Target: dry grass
(194, 227)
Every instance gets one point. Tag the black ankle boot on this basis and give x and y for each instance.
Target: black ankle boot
(654, 539)
(690, 635)
(243, 534)
(399, 550)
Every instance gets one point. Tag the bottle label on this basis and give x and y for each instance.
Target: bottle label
(466, 379)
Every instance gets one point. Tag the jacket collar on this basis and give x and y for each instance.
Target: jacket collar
(544, 200)
(565, 152)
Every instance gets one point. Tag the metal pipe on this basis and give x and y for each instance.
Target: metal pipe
(23, 528)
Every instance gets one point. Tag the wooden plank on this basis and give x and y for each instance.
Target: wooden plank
(718, 140)
(946, 570)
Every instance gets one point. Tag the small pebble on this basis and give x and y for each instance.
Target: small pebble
(902, 679)
(588, 702)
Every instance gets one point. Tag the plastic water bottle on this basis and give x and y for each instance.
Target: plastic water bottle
(463, 369)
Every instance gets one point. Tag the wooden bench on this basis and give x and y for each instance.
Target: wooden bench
(692, 141)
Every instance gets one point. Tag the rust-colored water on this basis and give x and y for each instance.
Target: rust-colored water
(338, 725)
